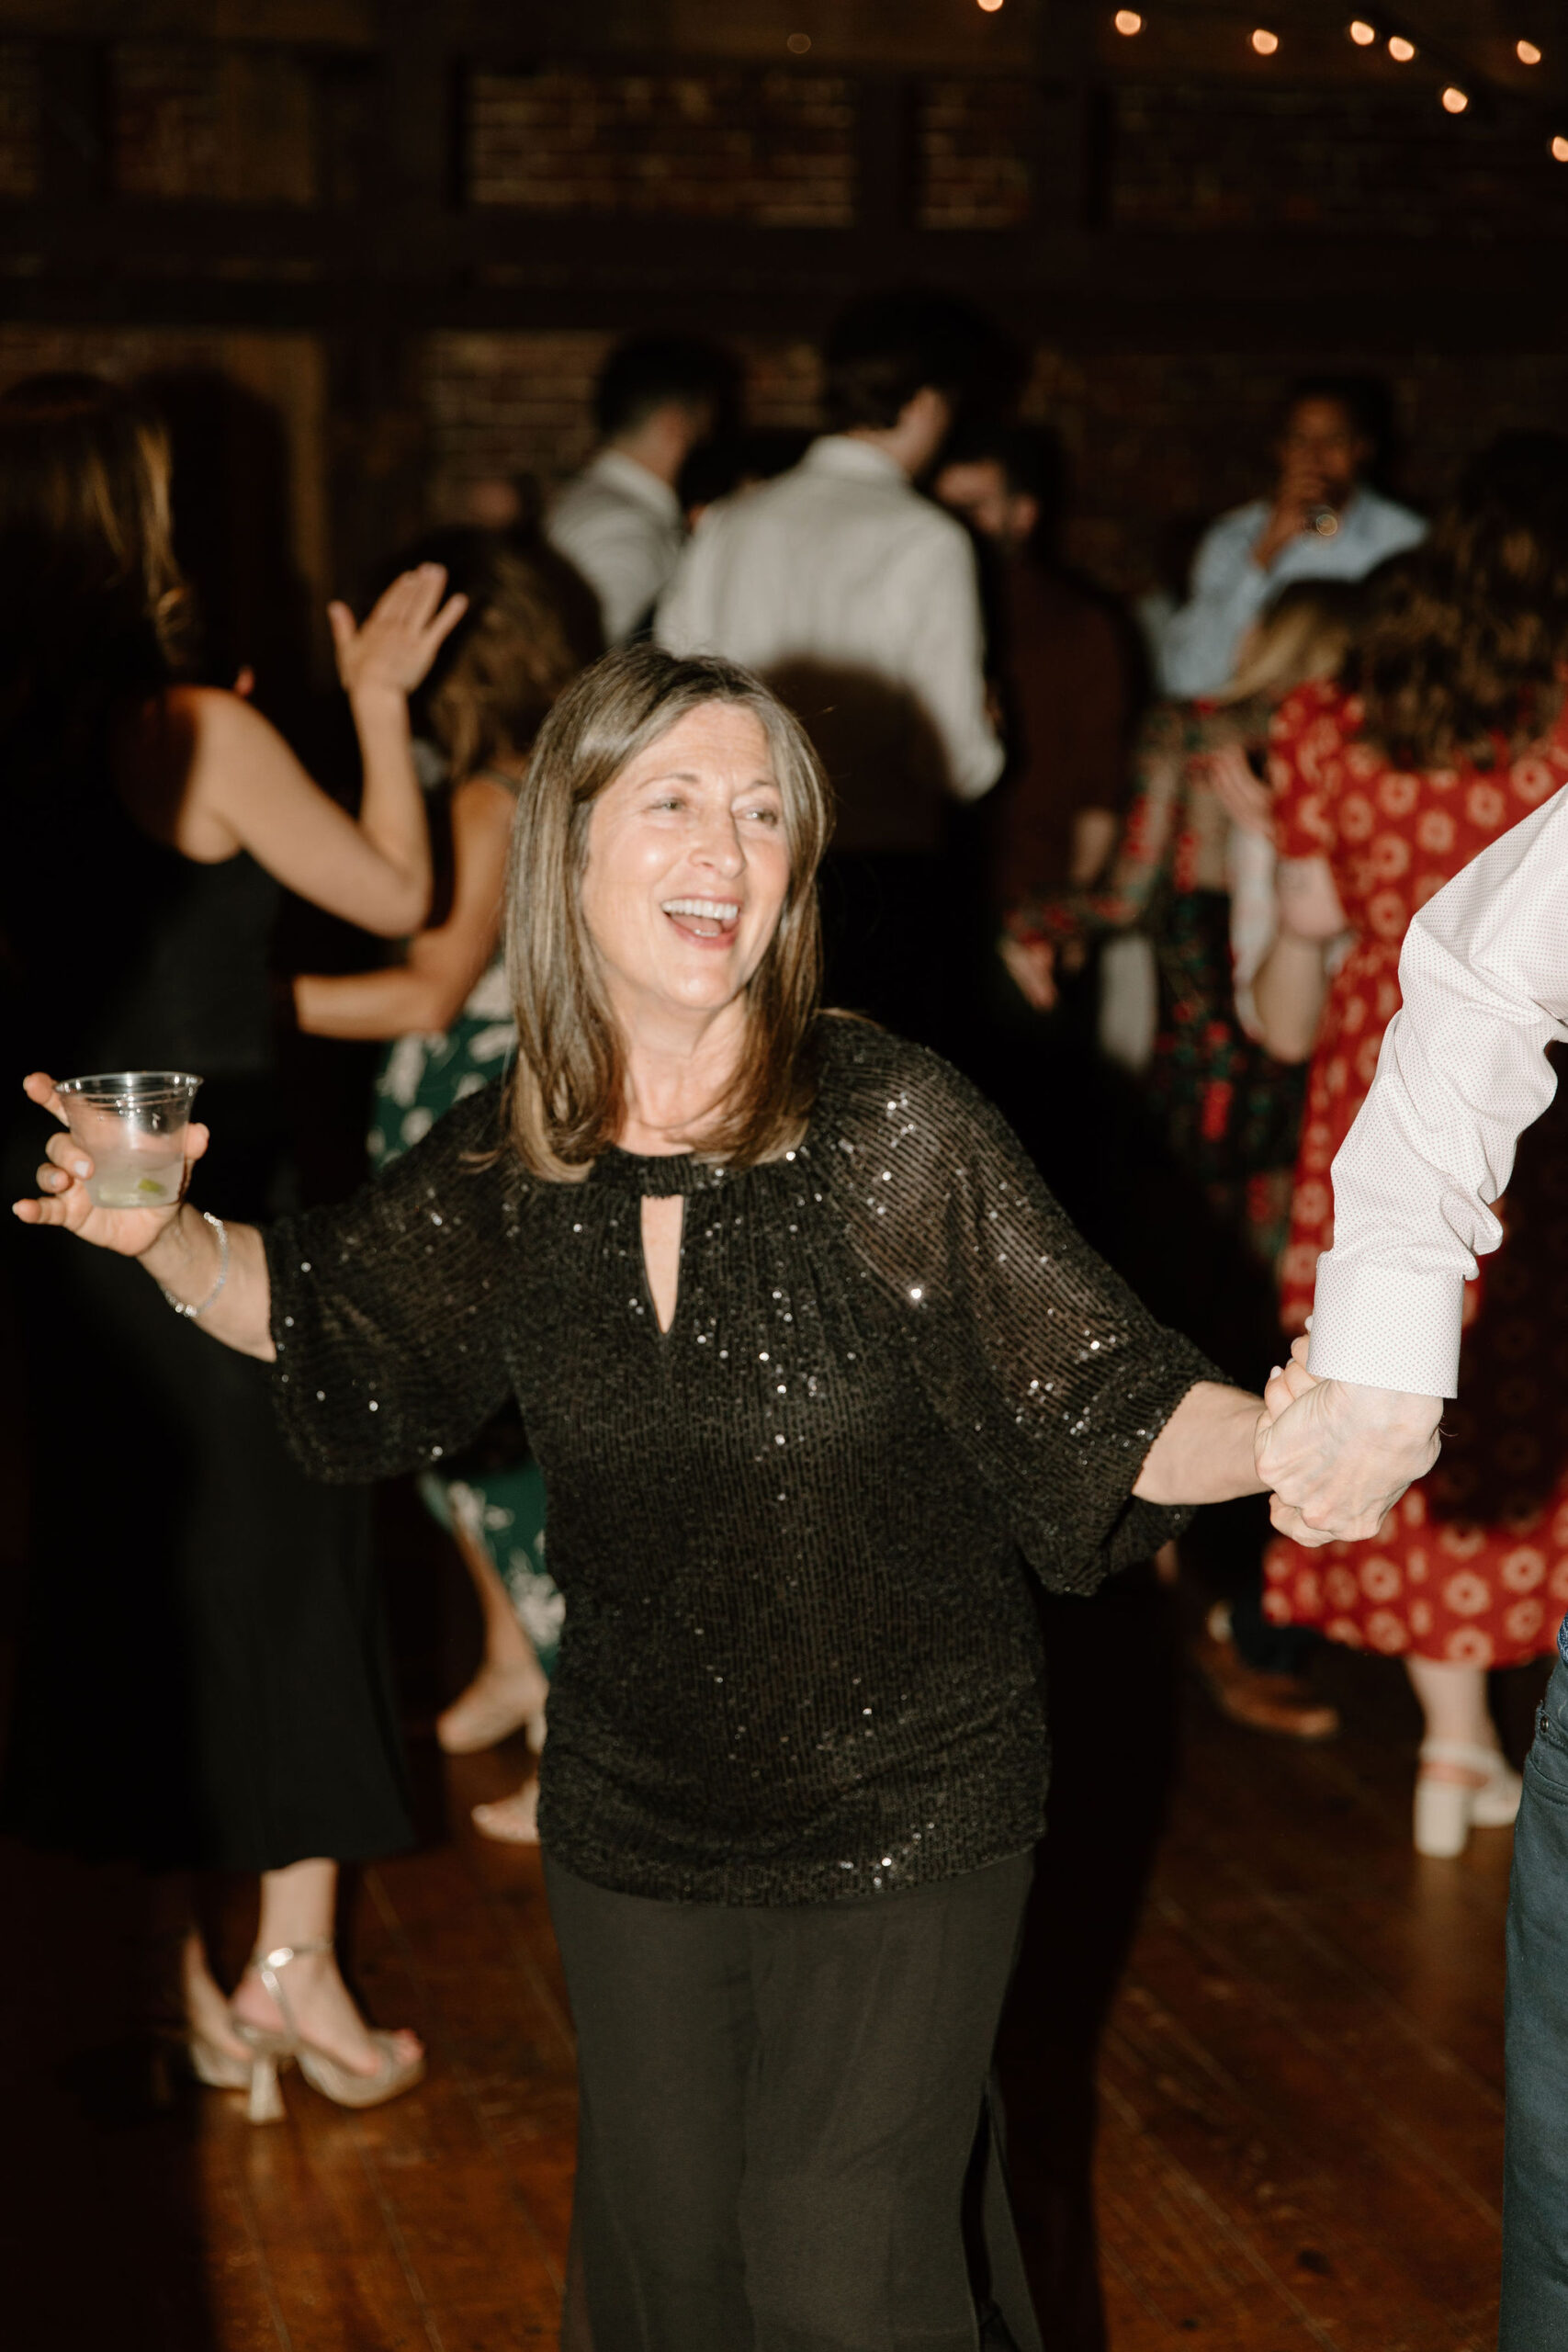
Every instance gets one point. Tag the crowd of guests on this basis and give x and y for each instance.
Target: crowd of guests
(739, 708)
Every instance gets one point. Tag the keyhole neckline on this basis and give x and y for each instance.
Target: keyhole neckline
(657, 1175)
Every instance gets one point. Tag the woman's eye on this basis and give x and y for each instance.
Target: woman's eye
(762, 816)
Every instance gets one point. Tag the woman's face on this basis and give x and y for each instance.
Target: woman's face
(687, 864)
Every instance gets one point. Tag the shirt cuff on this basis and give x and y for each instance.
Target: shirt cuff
(1385, 1327)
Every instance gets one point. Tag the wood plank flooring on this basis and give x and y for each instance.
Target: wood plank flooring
(1298, 2076)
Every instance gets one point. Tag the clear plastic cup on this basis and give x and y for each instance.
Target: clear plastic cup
(133, 1124)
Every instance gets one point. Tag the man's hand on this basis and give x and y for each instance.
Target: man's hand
(1338, 1456)
(1302, 487)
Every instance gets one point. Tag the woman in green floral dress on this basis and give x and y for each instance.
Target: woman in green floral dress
(446, 1008)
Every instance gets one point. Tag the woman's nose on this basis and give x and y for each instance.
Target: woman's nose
(719, 846)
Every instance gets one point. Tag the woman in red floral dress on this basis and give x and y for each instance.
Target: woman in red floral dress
(1458, 732)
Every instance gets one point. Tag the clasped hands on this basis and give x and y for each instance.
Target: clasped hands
(1338, 1456)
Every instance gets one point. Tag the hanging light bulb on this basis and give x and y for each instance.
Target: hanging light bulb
(1559, 148)
(1128, 21)
(990, 6)
(1265, 43)
(1527, 52)
(1401, 50)
(1454, 101)
(1363, 34)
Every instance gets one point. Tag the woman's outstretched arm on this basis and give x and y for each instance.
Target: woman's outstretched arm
(1207, 1452)
(179, 1248)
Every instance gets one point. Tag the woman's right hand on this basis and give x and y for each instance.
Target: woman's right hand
(392, 649)
(1245, 801)
(1032, 965)
(63, 1186)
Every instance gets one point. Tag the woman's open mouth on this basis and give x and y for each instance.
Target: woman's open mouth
(703, 918)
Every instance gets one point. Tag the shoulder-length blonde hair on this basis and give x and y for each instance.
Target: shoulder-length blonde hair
(568, 1087)
(1305, 632)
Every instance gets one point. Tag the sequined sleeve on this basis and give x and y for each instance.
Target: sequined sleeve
(385, 1310)
(1043, 1366)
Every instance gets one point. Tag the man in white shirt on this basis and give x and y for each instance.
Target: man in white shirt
(1324, 521)
(857, 599)
(619, 521)
(1483, 978)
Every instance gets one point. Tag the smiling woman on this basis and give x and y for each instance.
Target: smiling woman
(817, 1374)
(663, 865)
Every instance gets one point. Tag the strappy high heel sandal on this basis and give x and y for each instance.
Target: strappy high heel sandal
(271, 2052)
(1445, 1811)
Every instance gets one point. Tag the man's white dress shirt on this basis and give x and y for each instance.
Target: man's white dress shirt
(857, 599)
(623, 530)
(1484, 975)
(1230, 587)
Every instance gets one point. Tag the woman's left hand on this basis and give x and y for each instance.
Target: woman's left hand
(394, 647)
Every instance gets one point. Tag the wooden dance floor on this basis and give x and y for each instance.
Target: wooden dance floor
(1300, 2108)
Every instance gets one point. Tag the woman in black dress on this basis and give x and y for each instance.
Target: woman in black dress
(206, 1684)
(814, 1366)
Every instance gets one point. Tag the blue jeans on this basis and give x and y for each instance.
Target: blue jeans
(1535, 2192)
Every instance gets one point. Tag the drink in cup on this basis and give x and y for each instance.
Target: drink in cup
(133, 1124)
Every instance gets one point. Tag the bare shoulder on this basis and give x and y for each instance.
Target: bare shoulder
(219, 722)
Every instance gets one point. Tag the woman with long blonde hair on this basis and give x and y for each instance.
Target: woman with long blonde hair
(812, 1365)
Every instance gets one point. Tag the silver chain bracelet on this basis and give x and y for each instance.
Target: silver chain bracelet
(190, 1313)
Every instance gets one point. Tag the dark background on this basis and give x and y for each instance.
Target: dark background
(406, 231)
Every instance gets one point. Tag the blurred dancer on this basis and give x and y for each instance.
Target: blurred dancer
(1324, 521)
(1456, 734)
(1228, 1114)
(207, 1685)
(1062, 665)
(856, 598)
(448, 1008)
(620, 520)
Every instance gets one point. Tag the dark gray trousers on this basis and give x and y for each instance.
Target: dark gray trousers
(1535, 2188)
(778, 2108)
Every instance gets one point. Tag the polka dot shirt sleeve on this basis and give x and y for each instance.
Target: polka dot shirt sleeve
(1484, 975)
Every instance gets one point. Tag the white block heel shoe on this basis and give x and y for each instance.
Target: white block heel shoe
(1447, 1811)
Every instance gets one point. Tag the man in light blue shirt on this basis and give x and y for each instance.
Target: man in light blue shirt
(1323, 523)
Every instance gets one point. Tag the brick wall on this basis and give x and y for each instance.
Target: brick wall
(19, 118)
(974, 143)
(200, 121)
(771, 149)
(1374, 164)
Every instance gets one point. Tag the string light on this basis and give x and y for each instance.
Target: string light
(990, 6)
(1455, 101)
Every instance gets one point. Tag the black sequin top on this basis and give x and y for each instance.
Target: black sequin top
(800, 1660)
